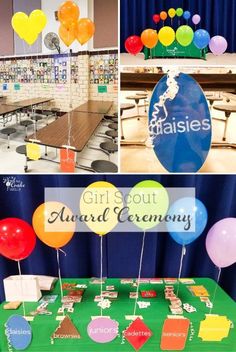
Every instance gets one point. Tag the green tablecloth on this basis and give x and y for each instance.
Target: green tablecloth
(154, 316)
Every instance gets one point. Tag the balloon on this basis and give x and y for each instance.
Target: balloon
(163, 15)
(218, 45)
(38, 20)
(166, 36)
(172, 13)
(156, 18)
(187, 15)
(196, 19)
(149, 38)
(179, 12)
(17, 239)
(67, 35)
(92, 202)
(142, 203)
(187, 206)
(20, 23)
(85, 30)
(133, 45)
(184, 35)
(201, 38)
(47, 225)
(221, 243)
(31, 37)
(68, 13)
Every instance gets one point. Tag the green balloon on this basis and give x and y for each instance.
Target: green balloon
(146, 200)
(184, 35)
(179, 12)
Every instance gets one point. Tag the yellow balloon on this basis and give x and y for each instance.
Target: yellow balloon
(30, 37)
(97, 203)
(20, 24)
(166, 36)
(38, 20)
(172, 13)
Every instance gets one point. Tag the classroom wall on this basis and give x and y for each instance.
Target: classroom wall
(6, 33)
(65, 96)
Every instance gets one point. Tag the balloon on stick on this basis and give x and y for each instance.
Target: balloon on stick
(133, 45)
(17, 239)
(172, 13)
(163, 16)
(149, 38)
(156, 18)
(179, 12)
(166, 36)
(221, 243)
(218, 45)
(187, 15)
(201, 39)
(184, 35)
(196, 19)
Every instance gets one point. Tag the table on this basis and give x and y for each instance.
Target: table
(55, 135)
(228, 109)
(212, 99)
(44, 326)
(96, 107)
(31, 102)
(6, 109)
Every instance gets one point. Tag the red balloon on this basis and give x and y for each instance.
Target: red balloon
(156, 18)
(133, 45)
(17, 239)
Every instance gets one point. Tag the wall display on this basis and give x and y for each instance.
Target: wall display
(48, 70)
(104, 69)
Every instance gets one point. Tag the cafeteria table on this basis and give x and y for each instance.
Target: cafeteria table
(55, 135)
(43, 326)
(6, 112)
(31, 102)
(96, 107)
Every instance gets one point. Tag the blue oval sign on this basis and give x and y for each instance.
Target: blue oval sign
(180, 124)
(18, 332)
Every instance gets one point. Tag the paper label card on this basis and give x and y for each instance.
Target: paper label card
(137, 334)
(174, 334)
(18, 332)
(103, 330)
(67, 160)
(33, 151)
(214, 328)
(66, 330)
(17, 86)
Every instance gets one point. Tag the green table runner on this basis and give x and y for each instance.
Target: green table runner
(154, 316)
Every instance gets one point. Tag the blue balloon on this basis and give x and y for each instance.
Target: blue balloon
(201, 38)
(190, 208)
(187, 15)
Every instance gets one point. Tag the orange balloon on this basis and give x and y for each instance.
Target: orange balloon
(67, 35)
(163, 15)
(85, 30)
(48, 224)
(68, 12)
(149, 38)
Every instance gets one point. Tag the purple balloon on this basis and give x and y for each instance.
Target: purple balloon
(218, 45)
(196, 19)
(221, 243)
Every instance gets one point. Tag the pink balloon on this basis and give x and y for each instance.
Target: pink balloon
(196, 19)
(218, 45)
(221, 243)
